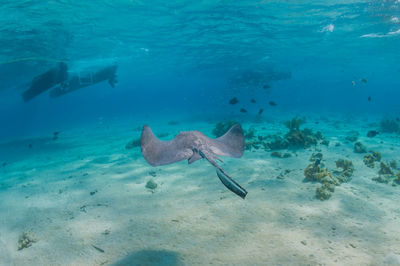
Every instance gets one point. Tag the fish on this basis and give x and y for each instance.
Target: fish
(242, 110)
(193, 146)
(372, 133)
(369, 98)
(364, 80)
(266, 87)
(55, 135)
(234, 100)
(272, 103)
(353, 83)
(397, 119)
(253, 101)
(260, 111)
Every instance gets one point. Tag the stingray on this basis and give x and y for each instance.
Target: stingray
(193, 146)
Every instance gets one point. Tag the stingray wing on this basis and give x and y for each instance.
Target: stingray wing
(230, 144)
(157, 152)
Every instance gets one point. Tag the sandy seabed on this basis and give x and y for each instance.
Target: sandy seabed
(82, 199)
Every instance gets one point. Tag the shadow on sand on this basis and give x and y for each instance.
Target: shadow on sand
(150, 258)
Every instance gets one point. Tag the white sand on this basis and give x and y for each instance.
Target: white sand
(191, 218)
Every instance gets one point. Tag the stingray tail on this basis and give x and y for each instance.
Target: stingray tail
(231, 184)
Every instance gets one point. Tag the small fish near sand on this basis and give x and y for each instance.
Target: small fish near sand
(193, 146)
(55, 135)
(363, 80)
(260, 111)
(242, 110)
(233, 101)
(369, 98)
(272, 103)
(372, 133)
(253, 101)
(266, 87)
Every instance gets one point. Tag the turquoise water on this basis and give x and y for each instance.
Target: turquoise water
(180, 63)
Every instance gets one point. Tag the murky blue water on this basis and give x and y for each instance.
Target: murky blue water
(185, 65)
(181, 56)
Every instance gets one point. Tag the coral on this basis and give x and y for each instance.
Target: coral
(323, 192)
(133, 144)
(359, 148)
(315, 172)
(393, 164)
(382, 179)
(385, 169)
(390, 126)
(347, 171)
(250, 133)
(316, 156)
(295, 123)
(302, 138)
(277, 143)
(151, 184)
(377, 155)
(26, 240)
(222, 127)
(397, 178)
(369, 160)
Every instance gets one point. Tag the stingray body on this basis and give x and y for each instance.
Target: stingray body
(194, 145)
